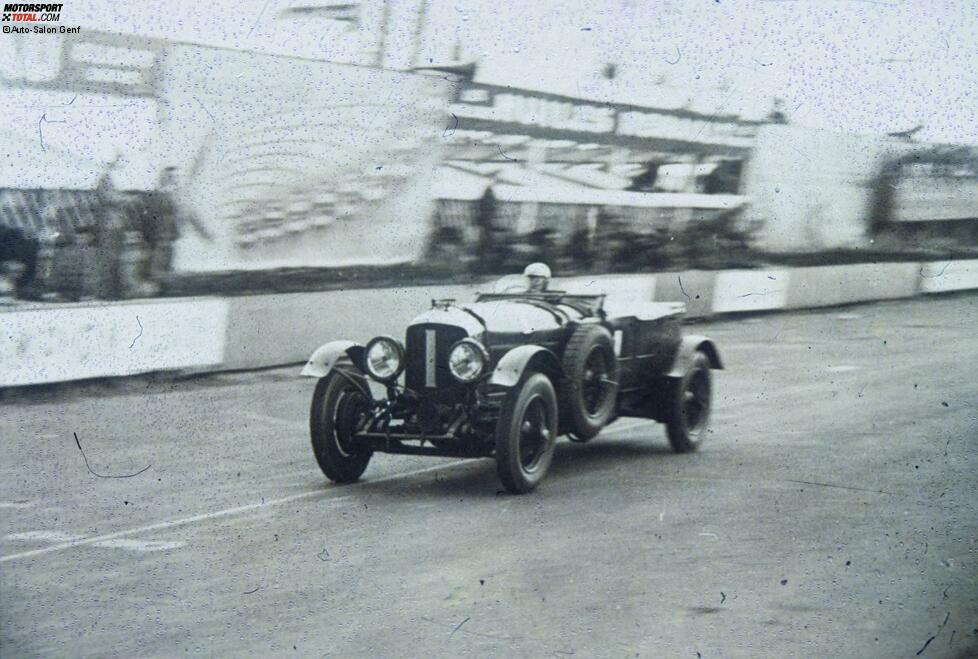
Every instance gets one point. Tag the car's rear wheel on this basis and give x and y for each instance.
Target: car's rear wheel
(339, 407)
(689, 406)
(526, 434)
(589, 388)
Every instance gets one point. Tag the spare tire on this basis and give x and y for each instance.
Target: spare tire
(589, 388)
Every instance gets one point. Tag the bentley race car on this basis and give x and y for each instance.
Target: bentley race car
(504, 376)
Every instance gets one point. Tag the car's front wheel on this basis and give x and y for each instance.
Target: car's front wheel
(527, 434)
(689, 409)
(339, 407)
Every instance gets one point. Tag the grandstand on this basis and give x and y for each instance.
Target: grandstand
(35, 211)
(296, 162)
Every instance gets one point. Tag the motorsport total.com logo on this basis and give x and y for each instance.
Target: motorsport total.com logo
(34, 13)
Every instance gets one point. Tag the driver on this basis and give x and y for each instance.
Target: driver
(539, 276)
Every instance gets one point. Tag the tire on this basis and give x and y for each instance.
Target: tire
(689, 406)
(338, 405)
(589, 388)
(526, 434)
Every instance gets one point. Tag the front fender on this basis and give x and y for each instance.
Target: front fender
(688, 347)
(510, 369)
(329, 355)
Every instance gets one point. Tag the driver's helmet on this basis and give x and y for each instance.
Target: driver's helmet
(539, 276)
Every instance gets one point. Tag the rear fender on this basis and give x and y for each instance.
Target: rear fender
(511, 368)
(688, 347)
(330, 355)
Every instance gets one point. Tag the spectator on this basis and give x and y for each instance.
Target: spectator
(16, 248)
(493, 239)
(580, 251)
(158, 224)
(542, 244)
(447, 246)
(10, 273)
(110, 228)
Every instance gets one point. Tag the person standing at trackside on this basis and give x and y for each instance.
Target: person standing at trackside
(18, 259)
(110, 229)
(485, 218)
(158, 225)
(493, 247)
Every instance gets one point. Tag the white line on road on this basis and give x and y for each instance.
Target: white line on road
(227, 512)
(258, 506)
(43, 536)
(140, 545)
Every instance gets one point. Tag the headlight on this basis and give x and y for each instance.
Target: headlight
(467, 360)
(384, 358)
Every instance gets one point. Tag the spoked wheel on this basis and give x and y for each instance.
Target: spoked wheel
(526, 435)
(534, 434)
(339, 409)
(596, 382)
(690, 413)
(589, 388)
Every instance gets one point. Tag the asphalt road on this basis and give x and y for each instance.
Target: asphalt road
(832, 513)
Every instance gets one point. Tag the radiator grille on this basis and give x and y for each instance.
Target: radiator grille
(427, 349)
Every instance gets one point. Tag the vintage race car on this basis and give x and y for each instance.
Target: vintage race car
(504, 376)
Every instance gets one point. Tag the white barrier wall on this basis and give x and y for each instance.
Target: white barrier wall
(750, 290)
(75, 342)
(265, 330)
(943, 277)
(825, 286)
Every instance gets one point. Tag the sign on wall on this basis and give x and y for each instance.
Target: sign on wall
(300, 163)
(558, 113)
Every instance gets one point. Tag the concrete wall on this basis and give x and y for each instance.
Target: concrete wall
(833, 285)
(750, 290)
(75, 342)
(694, 287)
(42, 344)
(942, 277)
(280, 329)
